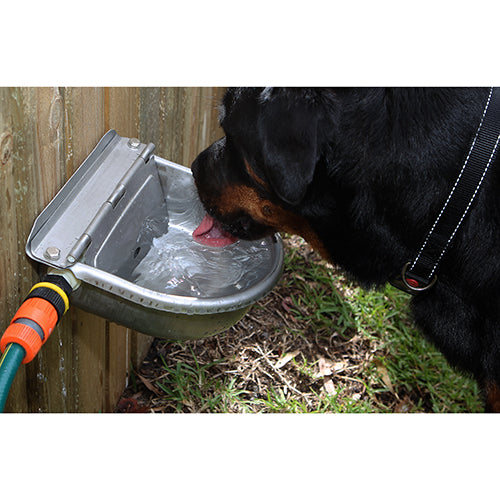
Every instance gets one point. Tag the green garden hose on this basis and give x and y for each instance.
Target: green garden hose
(32, 325)
(9, 364)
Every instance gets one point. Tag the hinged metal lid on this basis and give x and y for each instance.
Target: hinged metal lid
(66, 227)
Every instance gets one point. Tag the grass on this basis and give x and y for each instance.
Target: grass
(316, 344)
(188, 385)
(411, 363)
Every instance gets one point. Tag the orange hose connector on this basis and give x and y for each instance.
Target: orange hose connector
(25, 336)
(37, 317)
(41, 312)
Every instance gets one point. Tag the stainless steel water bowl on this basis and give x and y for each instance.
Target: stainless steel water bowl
(123, 226)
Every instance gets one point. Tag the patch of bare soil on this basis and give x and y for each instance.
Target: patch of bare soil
(274, 348)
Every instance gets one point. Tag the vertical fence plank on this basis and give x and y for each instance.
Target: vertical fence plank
(188, 121)
(49, 383)
(124, 346)
(12, 141)
(172, 125)
(209, 129)
(85, 125)
(151, 115)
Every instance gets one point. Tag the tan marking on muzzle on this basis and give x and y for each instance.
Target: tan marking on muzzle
(254, 176)
(239, 197)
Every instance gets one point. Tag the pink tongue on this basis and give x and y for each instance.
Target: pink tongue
(210, 233)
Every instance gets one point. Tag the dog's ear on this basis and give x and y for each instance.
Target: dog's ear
(288, 133)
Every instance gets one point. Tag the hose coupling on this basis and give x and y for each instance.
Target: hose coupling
(38, 315)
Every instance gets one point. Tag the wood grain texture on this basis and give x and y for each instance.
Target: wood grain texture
(12, 148)
(124, 347)
(45, 134)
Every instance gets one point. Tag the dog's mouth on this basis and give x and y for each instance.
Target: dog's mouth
(211, 233)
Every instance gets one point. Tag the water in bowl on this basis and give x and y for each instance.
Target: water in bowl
(178, 265)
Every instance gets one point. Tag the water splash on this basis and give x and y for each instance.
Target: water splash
(178, 265)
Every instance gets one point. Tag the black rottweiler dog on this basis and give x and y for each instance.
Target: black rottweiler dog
(361, 174)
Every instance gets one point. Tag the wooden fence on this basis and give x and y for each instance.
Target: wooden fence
(45, 134)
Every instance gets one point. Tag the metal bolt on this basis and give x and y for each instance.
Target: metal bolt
(134, 143)
(52, 253)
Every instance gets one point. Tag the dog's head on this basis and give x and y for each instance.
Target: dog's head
(256, 179)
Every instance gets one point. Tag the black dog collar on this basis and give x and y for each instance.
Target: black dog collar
(420, 275)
